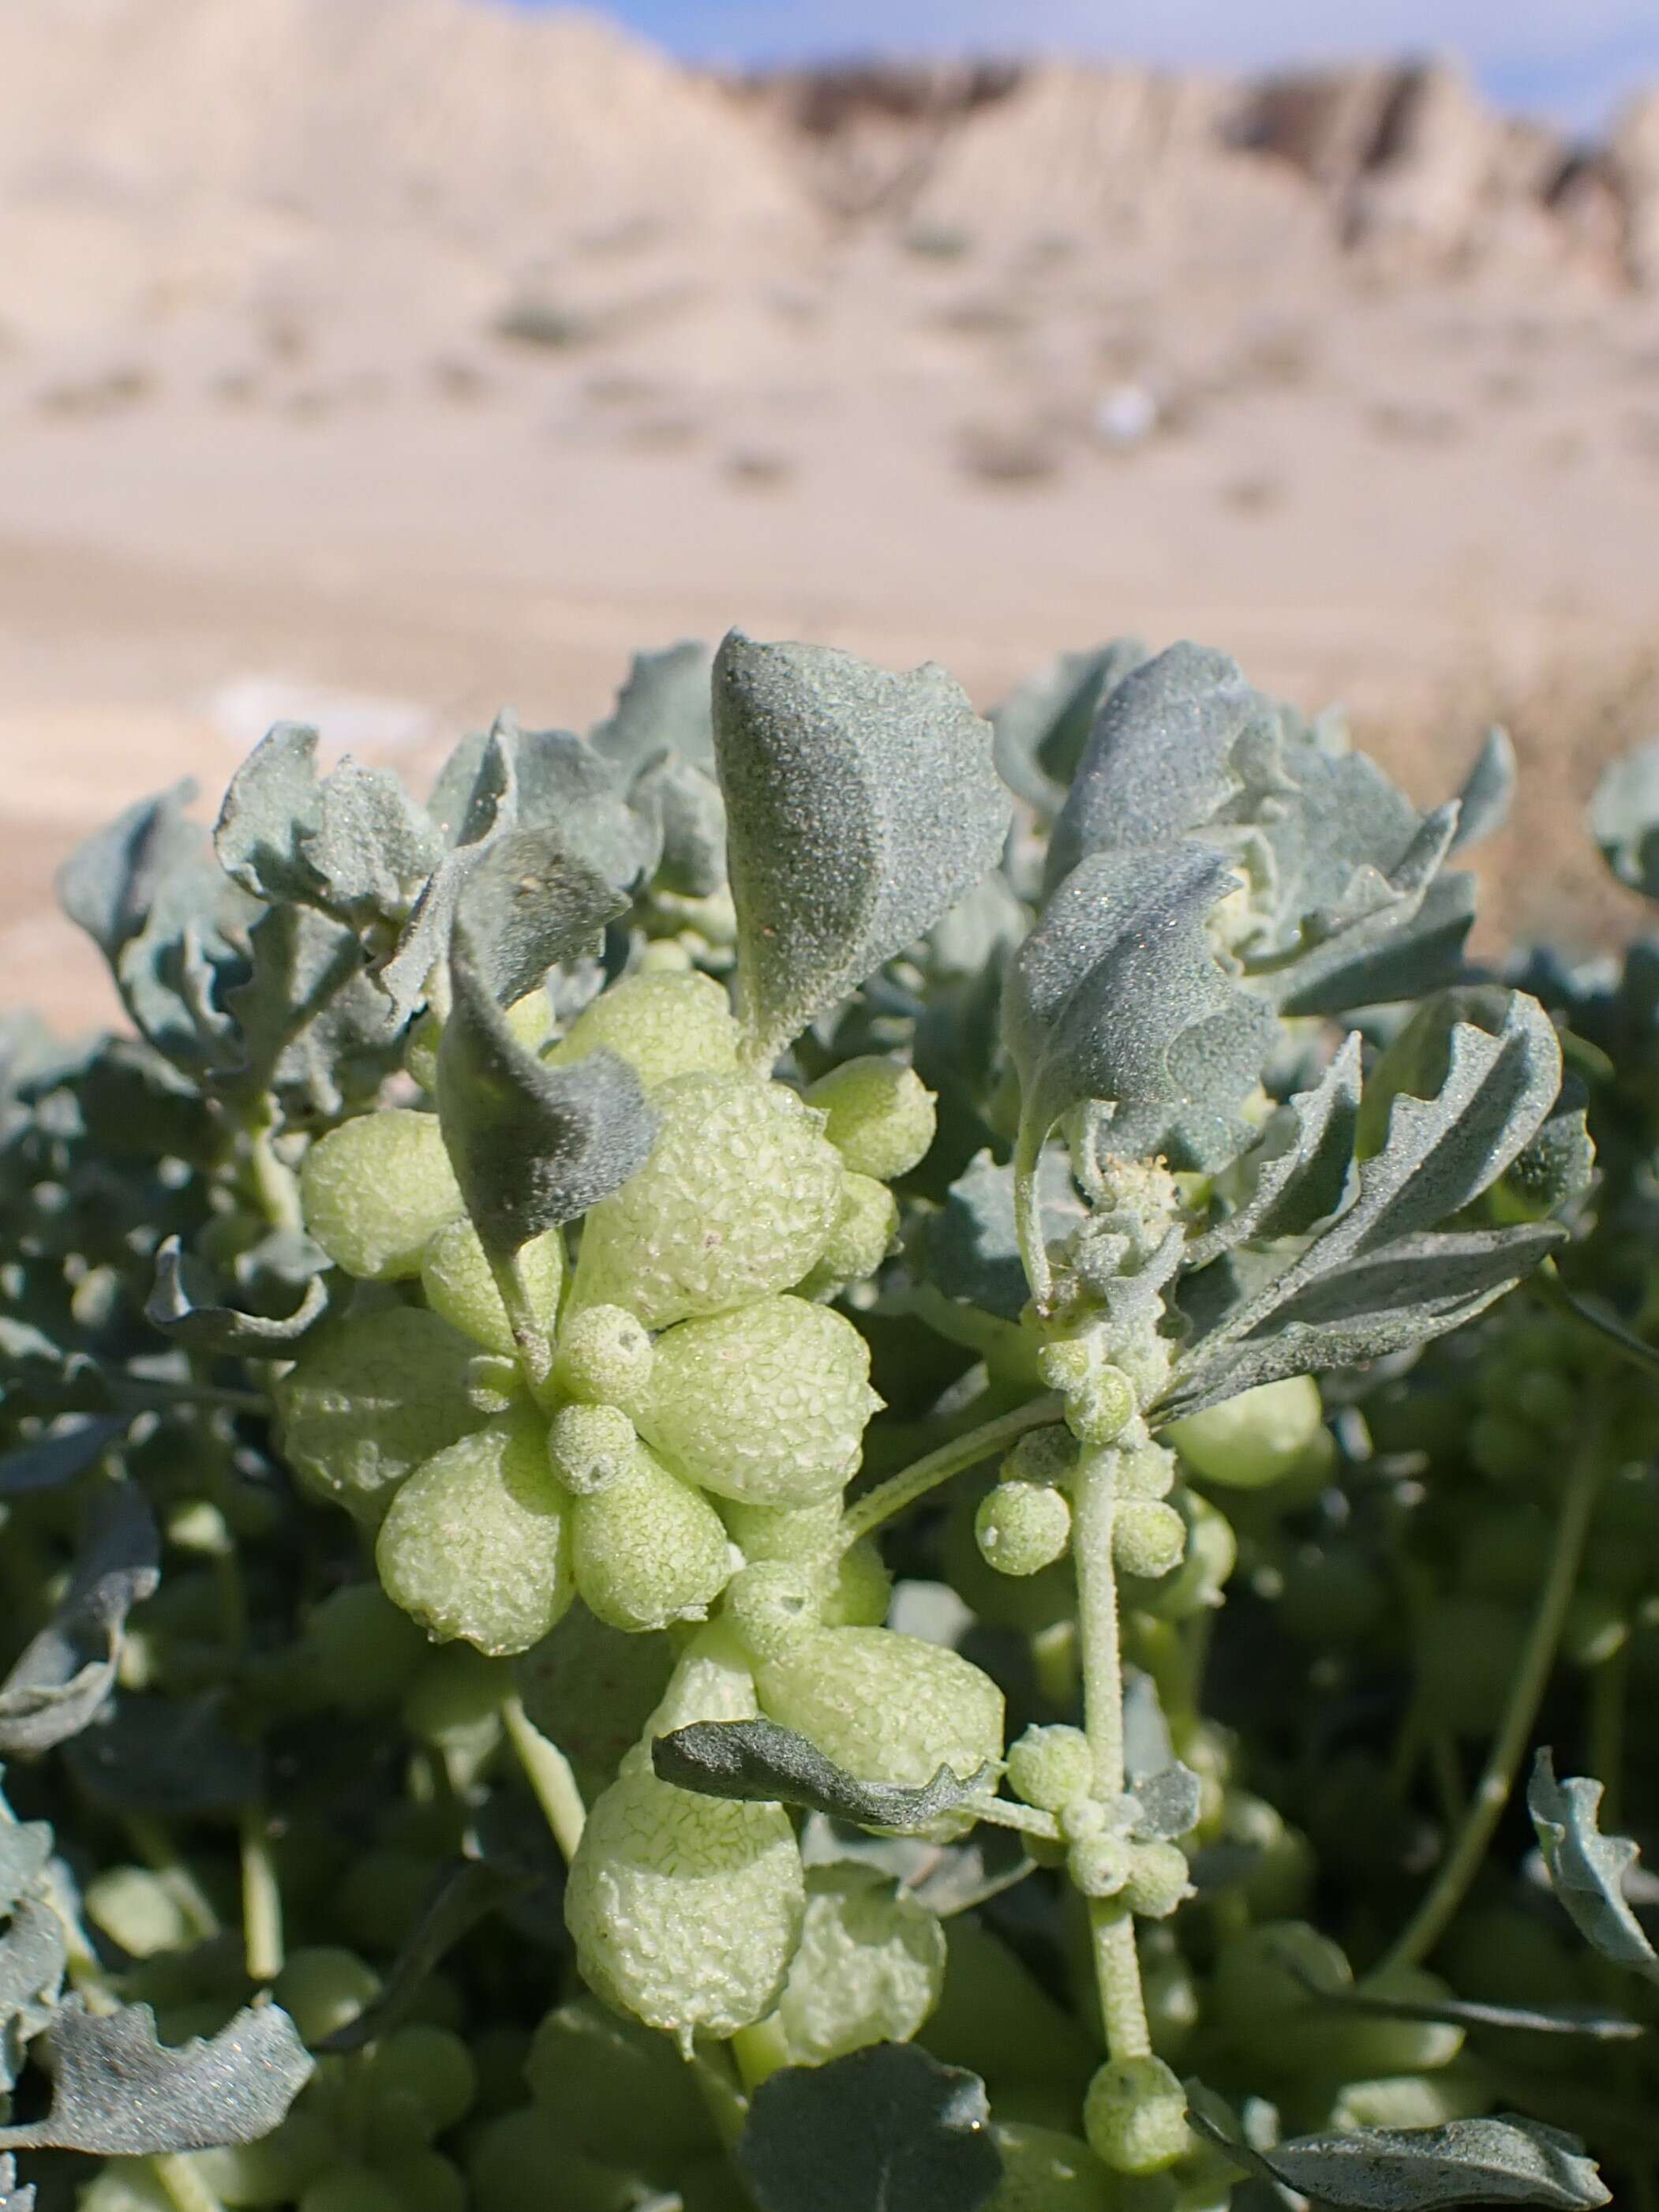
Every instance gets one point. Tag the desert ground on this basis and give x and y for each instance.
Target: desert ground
(383, 366)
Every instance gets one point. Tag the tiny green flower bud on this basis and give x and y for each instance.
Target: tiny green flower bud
(1100, 1865)
(1099, 1411)
(663, 1024)
(1082, 1817)
(1148, 1538)
(1148, 1471)
(1023, 1526)
(770, 1605)
(591, 1447)
(376, 1190)
(459, 1284)
(1135, 2116)
(1048, 1767)
(1041, 1456)
(1158, 1879)
(603, 1356)
(881, 1117)
(1066, 1363)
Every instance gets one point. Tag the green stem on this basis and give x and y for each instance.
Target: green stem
(159, 1853)
(760, 2052)
(1003, 1813)
(535, 1352)
(900, 1492)
(728, 2108)
(1094, 1508)
(1606, 1324)
(549, 1774)
(1609, 1696)
(262, 1899)
(1462, 1862)
(189, 2192)
(276, 1185)
(1028, 1213)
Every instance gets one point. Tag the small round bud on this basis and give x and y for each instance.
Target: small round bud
(1081, 1818)
(1066, 1363)
(1101, 1409)
(1023, 1526)
(771, 1605)
(1148, 1538)
(1196, 1584)
(1148, 1471)
(1254, 1439)
(663, 1024)
(881, 1117)
(603, 1356)
(591, 1447)
(1135, 2116)
(1158, 1879)
(457, 1279)
(1100, 1865)
(862, 1237)
(377, 1189)
(1041, 1456)
(1048, 1767)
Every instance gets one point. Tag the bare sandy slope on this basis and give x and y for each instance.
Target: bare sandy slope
(301, 466)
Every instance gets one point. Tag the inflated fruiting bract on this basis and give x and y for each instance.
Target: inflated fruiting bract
(868, 1969)
(879, 1116)
(1256, 1438)
(457, 1281)
(646, 1548)
(663, 1025)
(377, 1190)
(369, 1398)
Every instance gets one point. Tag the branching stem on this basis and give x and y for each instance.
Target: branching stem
(900, 1492)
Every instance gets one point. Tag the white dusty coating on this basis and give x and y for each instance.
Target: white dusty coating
(377, 1189)
(870, 1966)
(663, 1024)
(881, 1115)
(456, 1279)
(1023, 1526)
(1051, 1766)
(887, 1707)
(648, 1550)
(736, 1201)
(767, 1405)
(478, 1541)
(370, 1398)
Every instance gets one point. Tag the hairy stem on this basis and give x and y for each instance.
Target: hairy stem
(1094, 1508)
(535, 1352)
(548, 1772)
(1493, 1793)
(1028, 1213)
(900, 1492)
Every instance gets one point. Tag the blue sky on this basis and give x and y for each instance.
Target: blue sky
(1570, 59)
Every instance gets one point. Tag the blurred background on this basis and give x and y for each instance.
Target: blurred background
(382, 363)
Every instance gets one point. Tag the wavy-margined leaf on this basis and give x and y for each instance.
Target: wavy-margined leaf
(314, 1027)
(181, 1302)
(1498, 2161)
(1380, 1277)
(1296, 1172)
(760, 1760)
(1116, 996)
(64, 1450)
(530, 903)
(883, 2130)
(1042, 726)
(972, 1250)
(1181, 742)
(33, 1958)
(1406, 947)
(1488, 792)
(474, 802)
(861, 806)
(109, 882)
(532, 1146)
(1587, 1869)
(1623, 818)
(353, 842)
(119, 2091)
(664, 706)
(68, 1670)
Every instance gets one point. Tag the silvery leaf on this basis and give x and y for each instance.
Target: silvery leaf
(108, 884)
(13, 2198)
(1406, 947)
(1488, 792)
(686, 802)
(663, 707)
(972, 1252)
(1116, 996)
(1163, 1806)
(474, 803)
(566, 788)
(1296, 1172)
(1587, 1869)
(760, 1760)
(532, 1147)
(883, 2130)
(33, 1957)
(181, 1302)
(1042, 727)
(530, 903)
(315, 1029)
(119, 2091)
(68, 1670)
(1623, 818)
(861, 806)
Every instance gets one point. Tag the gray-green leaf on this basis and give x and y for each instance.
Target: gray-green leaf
(760, 1760)
(181, 1302)
(861, 806)
(1623, 818)
(1586, 1868)
(1488, 792)
(119, 2091)
(1042, 726)
(66, 1673)
(972, 1250)
(883, 2130)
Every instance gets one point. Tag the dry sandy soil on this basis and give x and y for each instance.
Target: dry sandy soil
(387, 365)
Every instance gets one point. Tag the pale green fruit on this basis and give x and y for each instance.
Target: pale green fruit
(455, 1277)
(1051, 1767)
(478, 1542)
(530, 1019)
(808, 1534)
(323, 1988)
(663, 1024)
(861, 1591)
(1044, 2171)
(591, 1447)
(887, 1707)
(1023, 1526)
(455, 1702)
(870, 1966)
(648, 1549)
(863, 1236)
(881, 1115)
(1135, 2116)
(369, 1398)
(736, 1201)
(376, 1190)
(1413, 2100)
(136, 1909)
(767, 1405)
(274, 2171)
(604, 1357)
(1159, 1879)
(613, 2087)
(1258, 1437)
(685, 1911)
